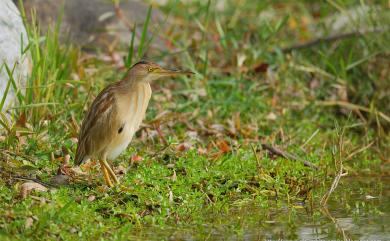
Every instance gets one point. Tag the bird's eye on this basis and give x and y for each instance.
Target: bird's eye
(150, 69)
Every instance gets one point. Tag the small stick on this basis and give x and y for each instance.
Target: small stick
(310, 138)
(332, 38)
(340, 173)
(360, 150)
(160, 134)
(159, 151)
(33, 180)
(336, 181)
(28, 179)
(279, 152)
(354, 107)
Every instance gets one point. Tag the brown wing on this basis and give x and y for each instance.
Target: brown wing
(99, 125)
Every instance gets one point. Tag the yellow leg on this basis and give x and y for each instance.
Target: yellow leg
(105, 174)
(110, 171)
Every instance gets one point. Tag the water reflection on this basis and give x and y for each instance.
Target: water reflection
(349, 214)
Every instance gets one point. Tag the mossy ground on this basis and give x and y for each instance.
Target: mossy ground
(198, 156)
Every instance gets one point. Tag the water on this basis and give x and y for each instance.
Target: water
(359, 209)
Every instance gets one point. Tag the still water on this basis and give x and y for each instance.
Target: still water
(358, 209)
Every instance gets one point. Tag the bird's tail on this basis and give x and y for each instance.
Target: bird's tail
(80, 156)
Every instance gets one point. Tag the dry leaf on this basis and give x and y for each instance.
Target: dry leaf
(201, 92)
(66, 159)
(22, 140)
(271, 116)
(167, 93)
(28, 187)
(223, 146)
(136, 158)
(87, 166)
(91, 198)
(217, 128)
(185, 146)
(232, 128)
(240, 59)
(260, 67)
(76, 171)
(202, 151)
(118, 60)
(74, 140)
(173, 177)
(171, 165)
(102, 189)
(292, 23)
(121, 170)
(314, 84)
(368, 197)
(234, 124)
(170, 194)
(192, 135)
(22, 120)
(29, 222)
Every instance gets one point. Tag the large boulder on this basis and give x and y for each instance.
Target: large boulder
(94, 23)
(12, 38)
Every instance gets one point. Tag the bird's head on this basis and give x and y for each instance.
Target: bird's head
(149, 71)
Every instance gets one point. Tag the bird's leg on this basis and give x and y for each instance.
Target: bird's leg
(110, 171)
(105, 174)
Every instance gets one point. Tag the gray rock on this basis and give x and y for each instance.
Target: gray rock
(12, 35)
(93, 23)
(354, 18)
(60, 180)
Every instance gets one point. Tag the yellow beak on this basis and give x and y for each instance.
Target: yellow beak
(170, 72)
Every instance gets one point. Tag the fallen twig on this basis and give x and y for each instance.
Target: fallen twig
(10, 175)
(287, 155)
(154, 155)
(353, 107)
(359, 150)
(332, 38)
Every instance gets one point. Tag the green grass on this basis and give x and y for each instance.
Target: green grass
(247, 92)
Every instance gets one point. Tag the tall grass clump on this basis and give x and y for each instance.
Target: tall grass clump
(144, 42)
(51, 66)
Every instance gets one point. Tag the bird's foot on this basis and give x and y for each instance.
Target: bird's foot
(106, 175)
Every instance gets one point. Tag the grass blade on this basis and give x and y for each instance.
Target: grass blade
(130, 52)
(144, 33)
(34, 105)
(10, 80)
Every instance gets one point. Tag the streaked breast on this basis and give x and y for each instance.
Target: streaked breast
(132, 109)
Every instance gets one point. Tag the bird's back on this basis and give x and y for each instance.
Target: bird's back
(95, 129)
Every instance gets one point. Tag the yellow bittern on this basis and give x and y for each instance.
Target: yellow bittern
(116, 114)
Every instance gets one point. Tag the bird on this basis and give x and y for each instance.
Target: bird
(116, 114)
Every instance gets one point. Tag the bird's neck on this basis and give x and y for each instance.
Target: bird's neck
(128, 86)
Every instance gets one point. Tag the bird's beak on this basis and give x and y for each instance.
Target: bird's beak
(170, 72)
